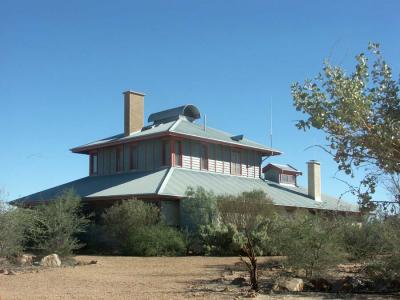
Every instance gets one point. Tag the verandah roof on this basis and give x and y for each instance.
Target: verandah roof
(173, 182)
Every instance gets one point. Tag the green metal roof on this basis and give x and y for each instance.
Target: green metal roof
(285, 167)
(175, 181)
(123, 184)
(179, 179)
(182, 126)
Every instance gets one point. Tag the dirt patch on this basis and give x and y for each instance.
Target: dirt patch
(148, 278)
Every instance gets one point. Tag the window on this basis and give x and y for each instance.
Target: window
(289, 179)
(235, 161)
(203, 157)
(164, 153)
(119, 159)
(178, 153)
(133, 158)
(93, 163)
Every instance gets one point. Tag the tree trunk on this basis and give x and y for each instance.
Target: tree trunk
(252, 264)
(254, 274)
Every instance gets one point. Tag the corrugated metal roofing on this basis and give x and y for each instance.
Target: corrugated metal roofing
(151, 130)
(183, 127)
(175, 181)
(180, 179)
(130, 183)
(196, 130)
(285, 167)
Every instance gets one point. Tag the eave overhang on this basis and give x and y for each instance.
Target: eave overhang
(90, 148)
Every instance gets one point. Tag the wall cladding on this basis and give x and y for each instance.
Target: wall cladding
(149, 156)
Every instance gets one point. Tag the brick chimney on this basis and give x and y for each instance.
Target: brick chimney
(314, 180)
(133, 112)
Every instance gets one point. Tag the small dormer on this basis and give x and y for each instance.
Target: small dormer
(282, 174)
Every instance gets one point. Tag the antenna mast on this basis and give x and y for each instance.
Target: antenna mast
(270, 125)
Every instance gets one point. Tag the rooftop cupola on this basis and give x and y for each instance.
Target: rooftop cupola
(188, 112)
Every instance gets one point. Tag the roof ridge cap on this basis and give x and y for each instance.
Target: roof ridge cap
(174, 125)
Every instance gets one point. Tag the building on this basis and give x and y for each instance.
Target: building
(159, 161)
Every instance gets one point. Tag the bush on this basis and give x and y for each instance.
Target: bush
(385, 262)
(198, 209)
(221, 240)
(312, 243)
(57, 224)
(136, 229)
(13, 230)
(366, 240)
(123, 219)
(155, 240)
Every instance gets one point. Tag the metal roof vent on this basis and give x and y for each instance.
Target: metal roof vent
(237, 138)
(189, 112)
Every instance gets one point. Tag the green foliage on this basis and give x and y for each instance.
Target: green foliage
(360, 115)
(57, 224)
(381, 252)
(220, 239)
(312, 243)
(220, 225)
(155, 240)
(245, 210)
(368, 239)
(124, 218)
(13, 230)
(198, 209)
(135, 228)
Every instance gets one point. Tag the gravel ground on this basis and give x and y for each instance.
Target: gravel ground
(134, 278)
(118, 278)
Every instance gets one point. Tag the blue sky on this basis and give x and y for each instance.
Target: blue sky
(65, 64)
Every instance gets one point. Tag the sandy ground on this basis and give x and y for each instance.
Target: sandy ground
(132, 278)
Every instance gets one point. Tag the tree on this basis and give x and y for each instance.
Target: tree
(360, 115)
(199, 208)
(14, 224)
(56, 224)
(136, 228)
(312, 243)
(250, 213)
(124, 218)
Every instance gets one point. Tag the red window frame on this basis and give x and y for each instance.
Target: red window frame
(164, 144)
(92, 169)
(236, 164)
(133, 166)
(119, 159)
(205, 158)
(179, 162)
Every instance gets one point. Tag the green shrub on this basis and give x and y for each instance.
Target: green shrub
(384, 268)
(312, 243)
(198, 209)
(135, 227)
(385, 262)
(57, 224)
(155, 240)
(14, 223)
(365, 240)
(123, 219)
(220, 240)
